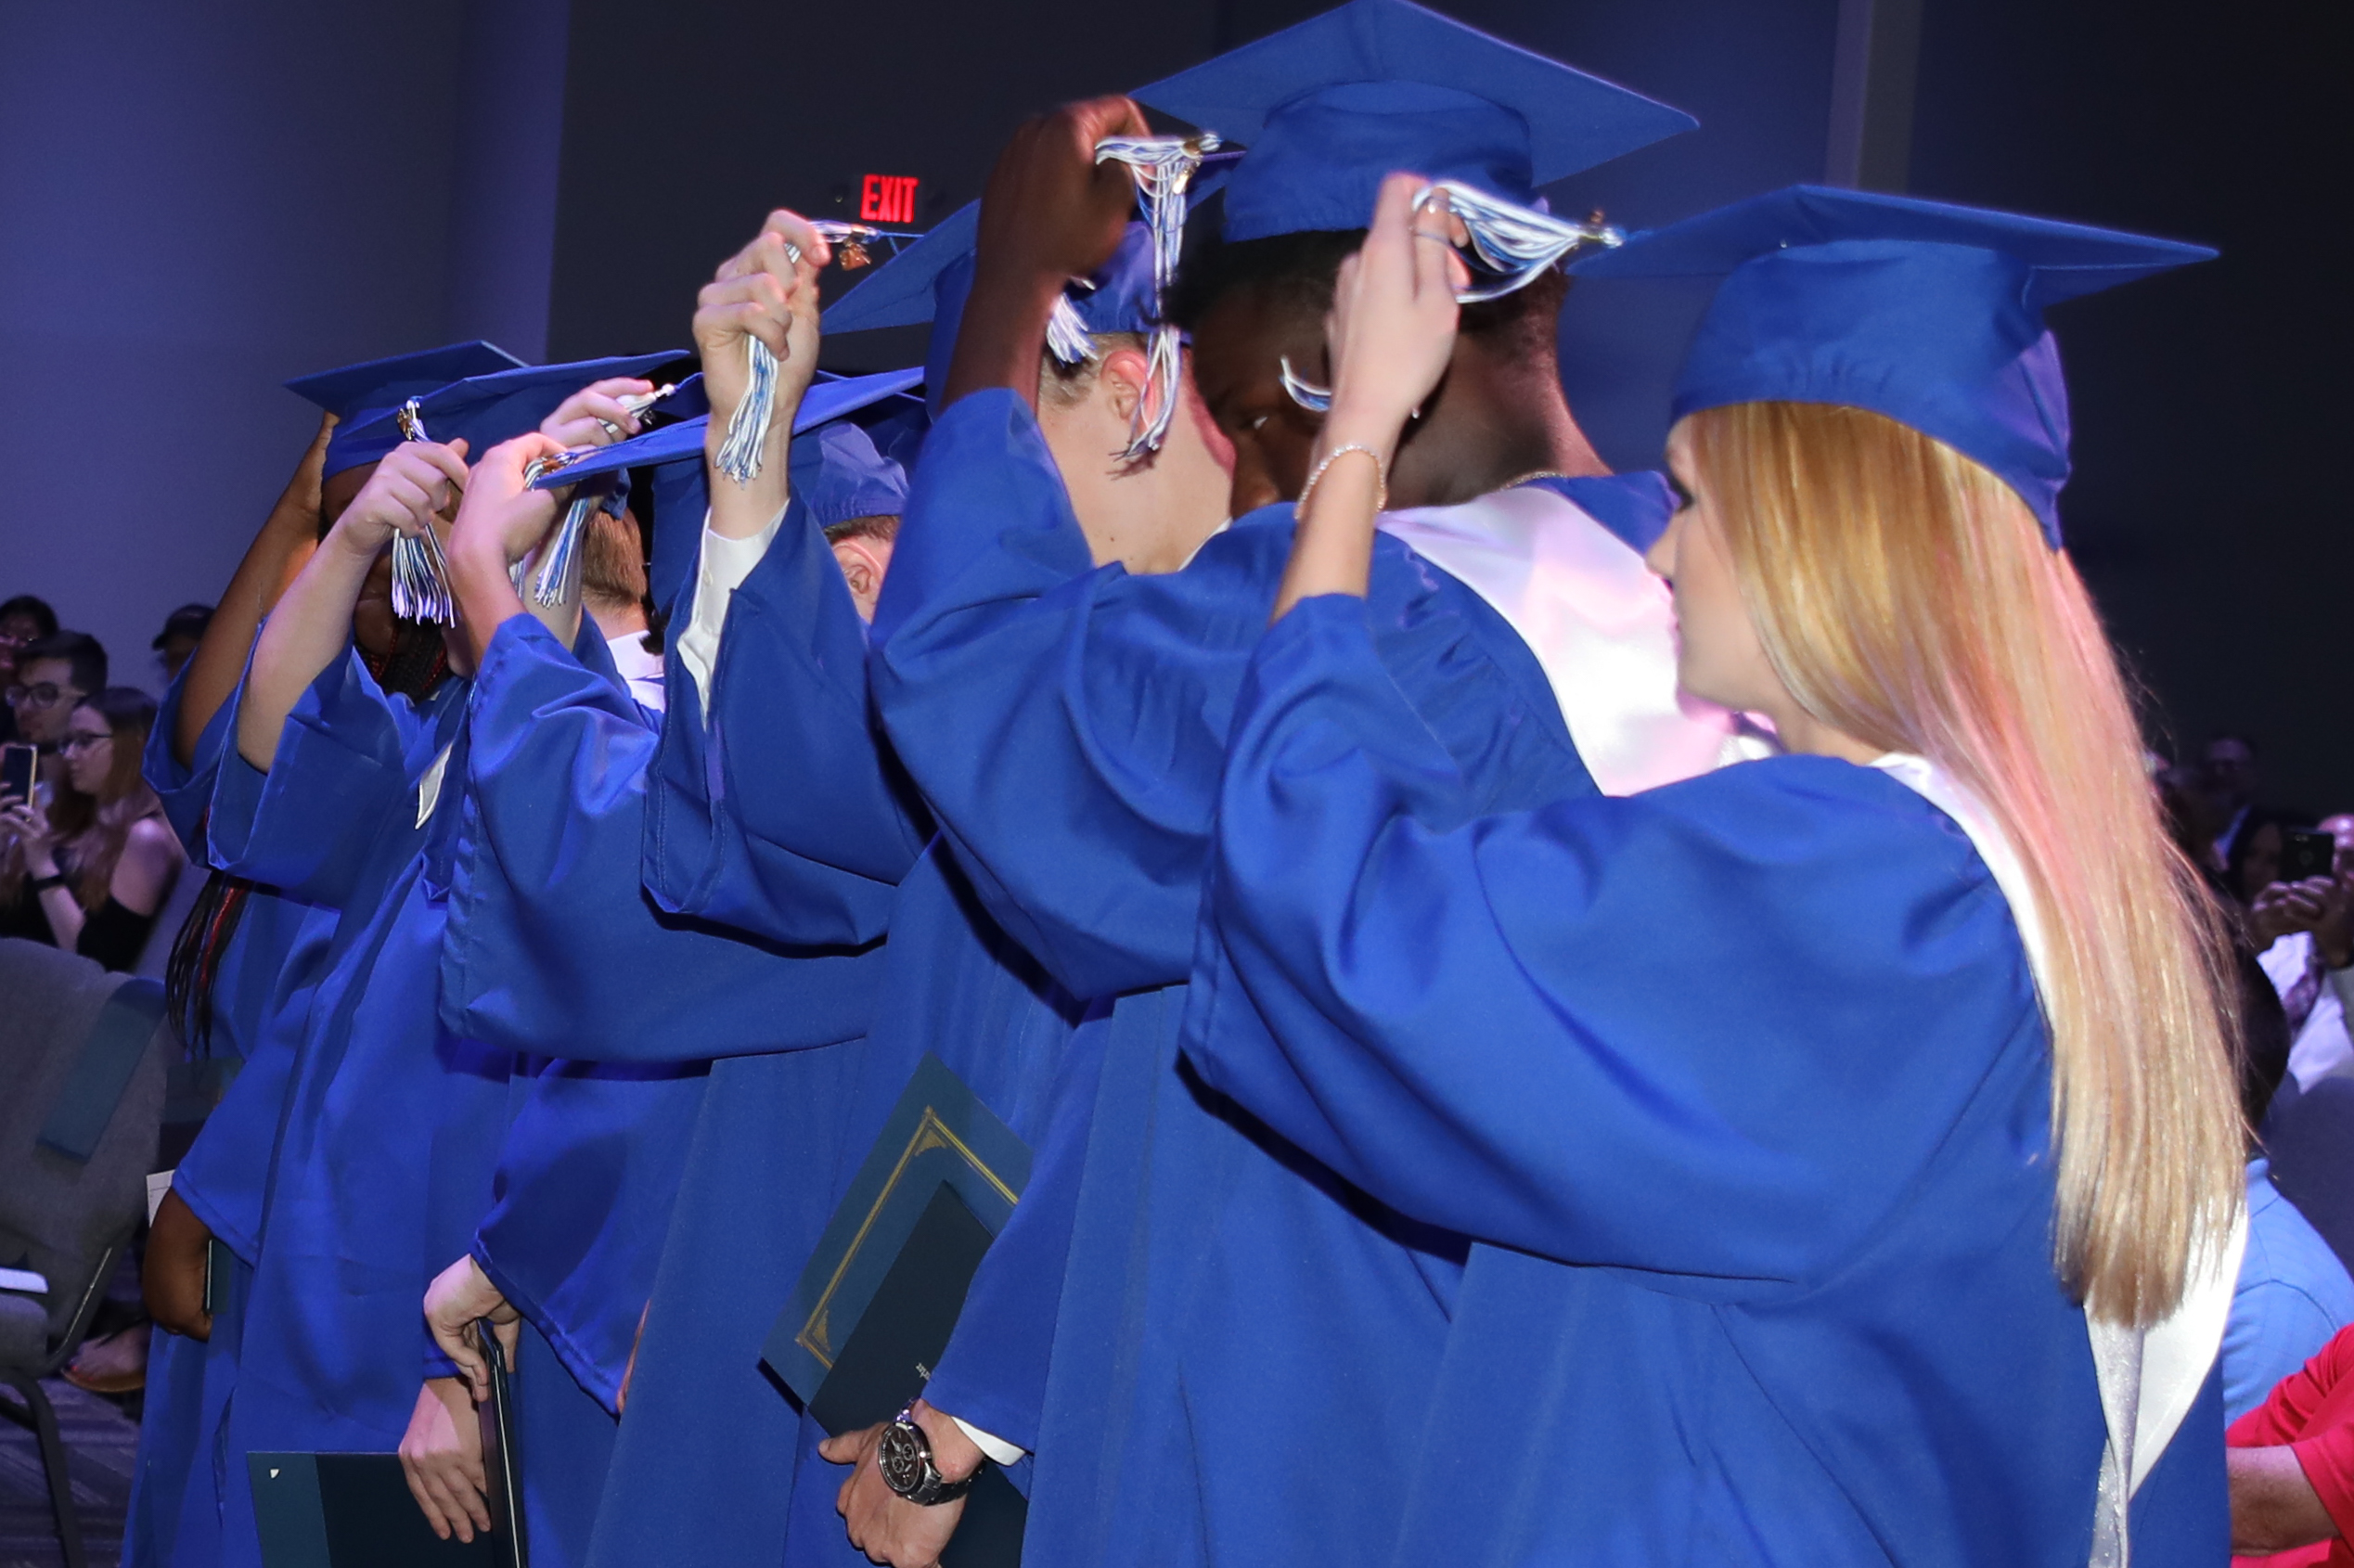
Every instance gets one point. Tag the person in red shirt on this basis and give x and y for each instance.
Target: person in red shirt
(2292, 1468)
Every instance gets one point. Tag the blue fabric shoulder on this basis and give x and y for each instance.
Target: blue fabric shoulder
(1103, 699)
(1634, 507)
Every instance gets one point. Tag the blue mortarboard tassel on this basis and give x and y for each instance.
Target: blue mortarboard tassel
(1507, 247)
(557, 577)
(740, 455)
(1164, 167)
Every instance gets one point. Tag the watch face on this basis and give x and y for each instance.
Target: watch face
(903, 1457)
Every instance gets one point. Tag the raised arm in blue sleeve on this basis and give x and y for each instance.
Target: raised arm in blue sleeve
(776, 812)
(555, 949)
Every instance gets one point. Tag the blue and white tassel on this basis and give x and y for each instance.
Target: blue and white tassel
(420, 573)
(1164, 167)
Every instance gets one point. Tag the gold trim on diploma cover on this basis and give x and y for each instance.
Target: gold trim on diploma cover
(817, 1335)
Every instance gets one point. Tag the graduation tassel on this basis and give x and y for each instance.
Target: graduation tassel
(420, 573)
(1067, 336)
(1508, 245)
(557, 578)
(1164, 167)
(742, 454)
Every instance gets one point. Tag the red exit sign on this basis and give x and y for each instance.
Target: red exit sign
(887, 198)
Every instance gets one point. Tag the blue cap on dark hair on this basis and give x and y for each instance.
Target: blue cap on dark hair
(1925, 311)
(360, 394)
(1332, 107)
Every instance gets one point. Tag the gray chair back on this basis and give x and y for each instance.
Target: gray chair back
(82, 1059)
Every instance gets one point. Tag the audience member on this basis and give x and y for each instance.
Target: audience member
(2192, 816)
(2292, 1467)
(89, 867)
(2230, 780)
(2253, 861)
(22, 620)
(2293, 1294)
(183, 629)
(2309, 1133)
(52, 674)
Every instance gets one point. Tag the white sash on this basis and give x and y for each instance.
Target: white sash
(2148, 1377)
(1603, 627)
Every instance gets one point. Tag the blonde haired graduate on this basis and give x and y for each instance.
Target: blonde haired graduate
(1848, 1135)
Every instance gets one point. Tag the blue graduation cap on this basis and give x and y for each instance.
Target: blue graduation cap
(488, 409)
(1331, 107)
(825, 400)
(360, 394)
(1928, 312)
(839, 475)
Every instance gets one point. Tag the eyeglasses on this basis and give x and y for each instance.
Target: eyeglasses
(45, 695)
(80, 741)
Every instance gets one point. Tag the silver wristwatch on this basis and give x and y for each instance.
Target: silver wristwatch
(904, 1458)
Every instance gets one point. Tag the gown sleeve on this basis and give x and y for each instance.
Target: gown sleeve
(186, 792)
(994, 1372)
(775, 809)
(348, 762)
(1099, 700)
(1712, 1031)
(587, 1178)
(552, 938)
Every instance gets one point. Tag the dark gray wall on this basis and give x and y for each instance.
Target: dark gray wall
(2209, 405)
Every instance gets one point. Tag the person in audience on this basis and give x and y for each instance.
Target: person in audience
(2309, 1135)
(2253, 861)
(183, 632)
(2292, 1293)
(94, 865)
(23, 619)
(53, 673)
(2291, 1461)
(2229, 764)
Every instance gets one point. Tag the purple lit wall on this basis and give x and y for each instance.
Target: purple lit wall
(198, 202)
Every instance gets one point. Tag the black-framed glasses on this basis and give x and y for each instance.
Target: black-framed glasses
(81, 740)
(44, 694)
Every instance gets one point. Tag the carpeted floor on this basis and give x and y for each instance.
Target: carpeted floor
(102, 1445)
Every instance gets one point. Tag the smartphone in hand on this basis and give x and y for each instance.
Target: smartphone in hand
(19, 764)
(2306, 853)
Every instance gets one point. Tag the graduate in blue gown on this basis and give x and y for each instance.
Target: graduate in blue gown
(1225, 1290)
(1745, 1085)
(772, 807)
(346, 795)
(553, 947)
(241, 981)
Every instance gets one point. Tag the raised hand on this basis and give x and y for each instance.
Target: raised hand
(766, 291)
(415, 483)
(595, 416)
(1392, 327)
(1050, 211)
(501, 518)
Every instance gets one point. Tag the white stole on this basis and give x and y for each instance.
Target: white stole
(2148, 1377)
(1601, 626)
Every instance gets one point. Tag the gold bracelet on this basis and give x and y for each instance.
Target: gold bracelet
(1381, 479)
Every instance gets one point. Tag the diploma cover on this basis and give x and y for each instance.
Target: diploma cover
(874, 1308)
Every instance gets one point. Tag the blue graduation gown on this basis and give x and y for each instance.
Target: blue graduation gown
(1743, 1087)
(335, 1346)
(1225, 1294)
(783, 817)
(261, 988)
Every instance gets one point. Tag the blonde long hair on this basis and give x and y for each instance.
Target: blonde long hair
(1906, 596)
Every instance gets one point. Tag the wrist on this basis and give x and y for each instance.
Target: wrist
(953, 1455)
(1376, 428)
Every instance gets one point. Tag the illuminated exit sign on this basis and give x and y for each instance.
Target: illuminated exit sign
(887, 198)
